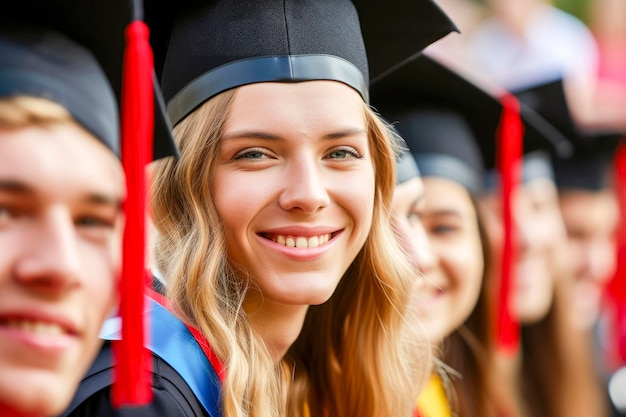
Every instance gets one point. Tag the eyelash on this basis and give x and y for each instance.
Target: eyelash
(245, 154)
(349, 149)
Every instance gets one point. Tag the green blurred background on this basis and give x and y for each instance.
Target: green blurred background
(578, 8)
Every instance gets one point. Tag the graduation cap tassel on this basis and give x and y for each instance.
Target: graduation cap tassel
(510, 138)
(617, 287)
(132, 383)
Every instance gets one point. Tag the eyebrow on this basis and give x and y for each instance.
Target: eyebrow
(268, 136)
(443, 212)
(93, 198)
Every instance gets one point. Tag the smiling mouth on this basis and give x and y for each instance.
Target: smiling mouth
(34, 326)
(292, 241)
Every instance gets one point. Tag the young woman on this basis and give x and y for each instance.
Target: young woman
(452, 143)
(270, 225)
(444, 146)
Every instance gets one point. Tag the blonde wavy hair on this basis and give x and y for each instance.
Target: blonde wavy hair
(357, 354)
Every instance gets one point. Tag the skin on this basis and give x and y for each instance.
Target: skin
(293, 163)
(591, 220)
(408, 198)
(455, 275)
(60, 233)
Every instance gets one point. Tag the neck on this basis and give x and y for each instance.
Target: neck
(278, 324)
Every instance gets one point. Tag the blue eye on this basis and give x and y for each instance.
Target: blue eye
(251, 154)
(344, 152)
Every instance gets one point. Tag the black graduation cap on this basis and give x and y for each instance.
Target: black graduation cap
(98, 26)
(588, 166)
(45, 64)
(205, 48)
(549, 100)
(450, 123)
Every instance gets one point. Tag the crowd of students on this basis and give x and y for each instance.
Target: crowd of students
(307, 208)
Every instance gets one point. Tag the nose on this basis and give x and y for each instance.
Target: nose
(304, 188)
(422, 250)
(50, 260)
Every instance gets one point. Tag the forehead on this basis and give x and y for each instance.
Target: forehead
(59, 159)
(303, 104)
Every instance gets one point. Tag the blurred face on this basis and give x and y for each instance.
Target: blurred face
(591, 220)
(408, 199)
(538, 231)
(60, 234)
(294, 187)
(454, 276)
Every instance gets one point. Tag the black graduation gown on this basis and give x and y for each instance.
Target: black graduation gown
(172, 395)
(184, 383)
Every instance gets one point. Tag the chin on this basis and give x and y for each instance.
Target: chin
(37, 400)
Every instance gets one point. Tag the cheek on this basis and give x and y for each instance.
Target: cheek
(465, 261)
(101, 271)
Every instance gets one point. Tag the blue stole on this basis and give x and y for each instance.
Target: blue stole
(174, 343)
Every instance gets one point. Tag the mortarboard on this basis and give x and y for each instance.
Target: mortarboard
(45, 64)
(450, 122)
(203, 49)
(457, 130)
(114, 33)
(587, 167)
(98, 26)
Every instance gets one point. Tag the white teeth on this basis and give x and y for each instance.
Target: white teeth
(301, 241)
(35, 327)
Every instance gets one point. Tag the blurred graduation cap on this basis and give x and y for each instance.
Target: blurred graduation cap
(458, 130)
(45, 64)
(118, 39)
(588, 165)
(589, 168)
(98, 26)
(205, 48)
(451, 123)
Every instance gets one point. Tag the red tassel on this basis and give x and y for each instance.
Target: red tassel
(510, 139)
(616, 290)
(133, 361)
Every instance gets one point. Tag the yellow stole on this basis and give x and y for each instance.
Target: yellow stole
(433, 401)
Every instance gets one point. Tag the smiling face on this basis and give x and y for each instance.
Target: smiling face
(294, 187)
(538, 231)
(591, 220)
(60, 234)
(454, 279)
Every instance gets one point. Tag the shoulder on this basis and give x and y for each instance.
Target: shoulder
(171, 394)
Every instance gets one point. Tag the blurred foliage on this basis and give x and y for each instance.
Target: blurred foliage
(579, 8)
